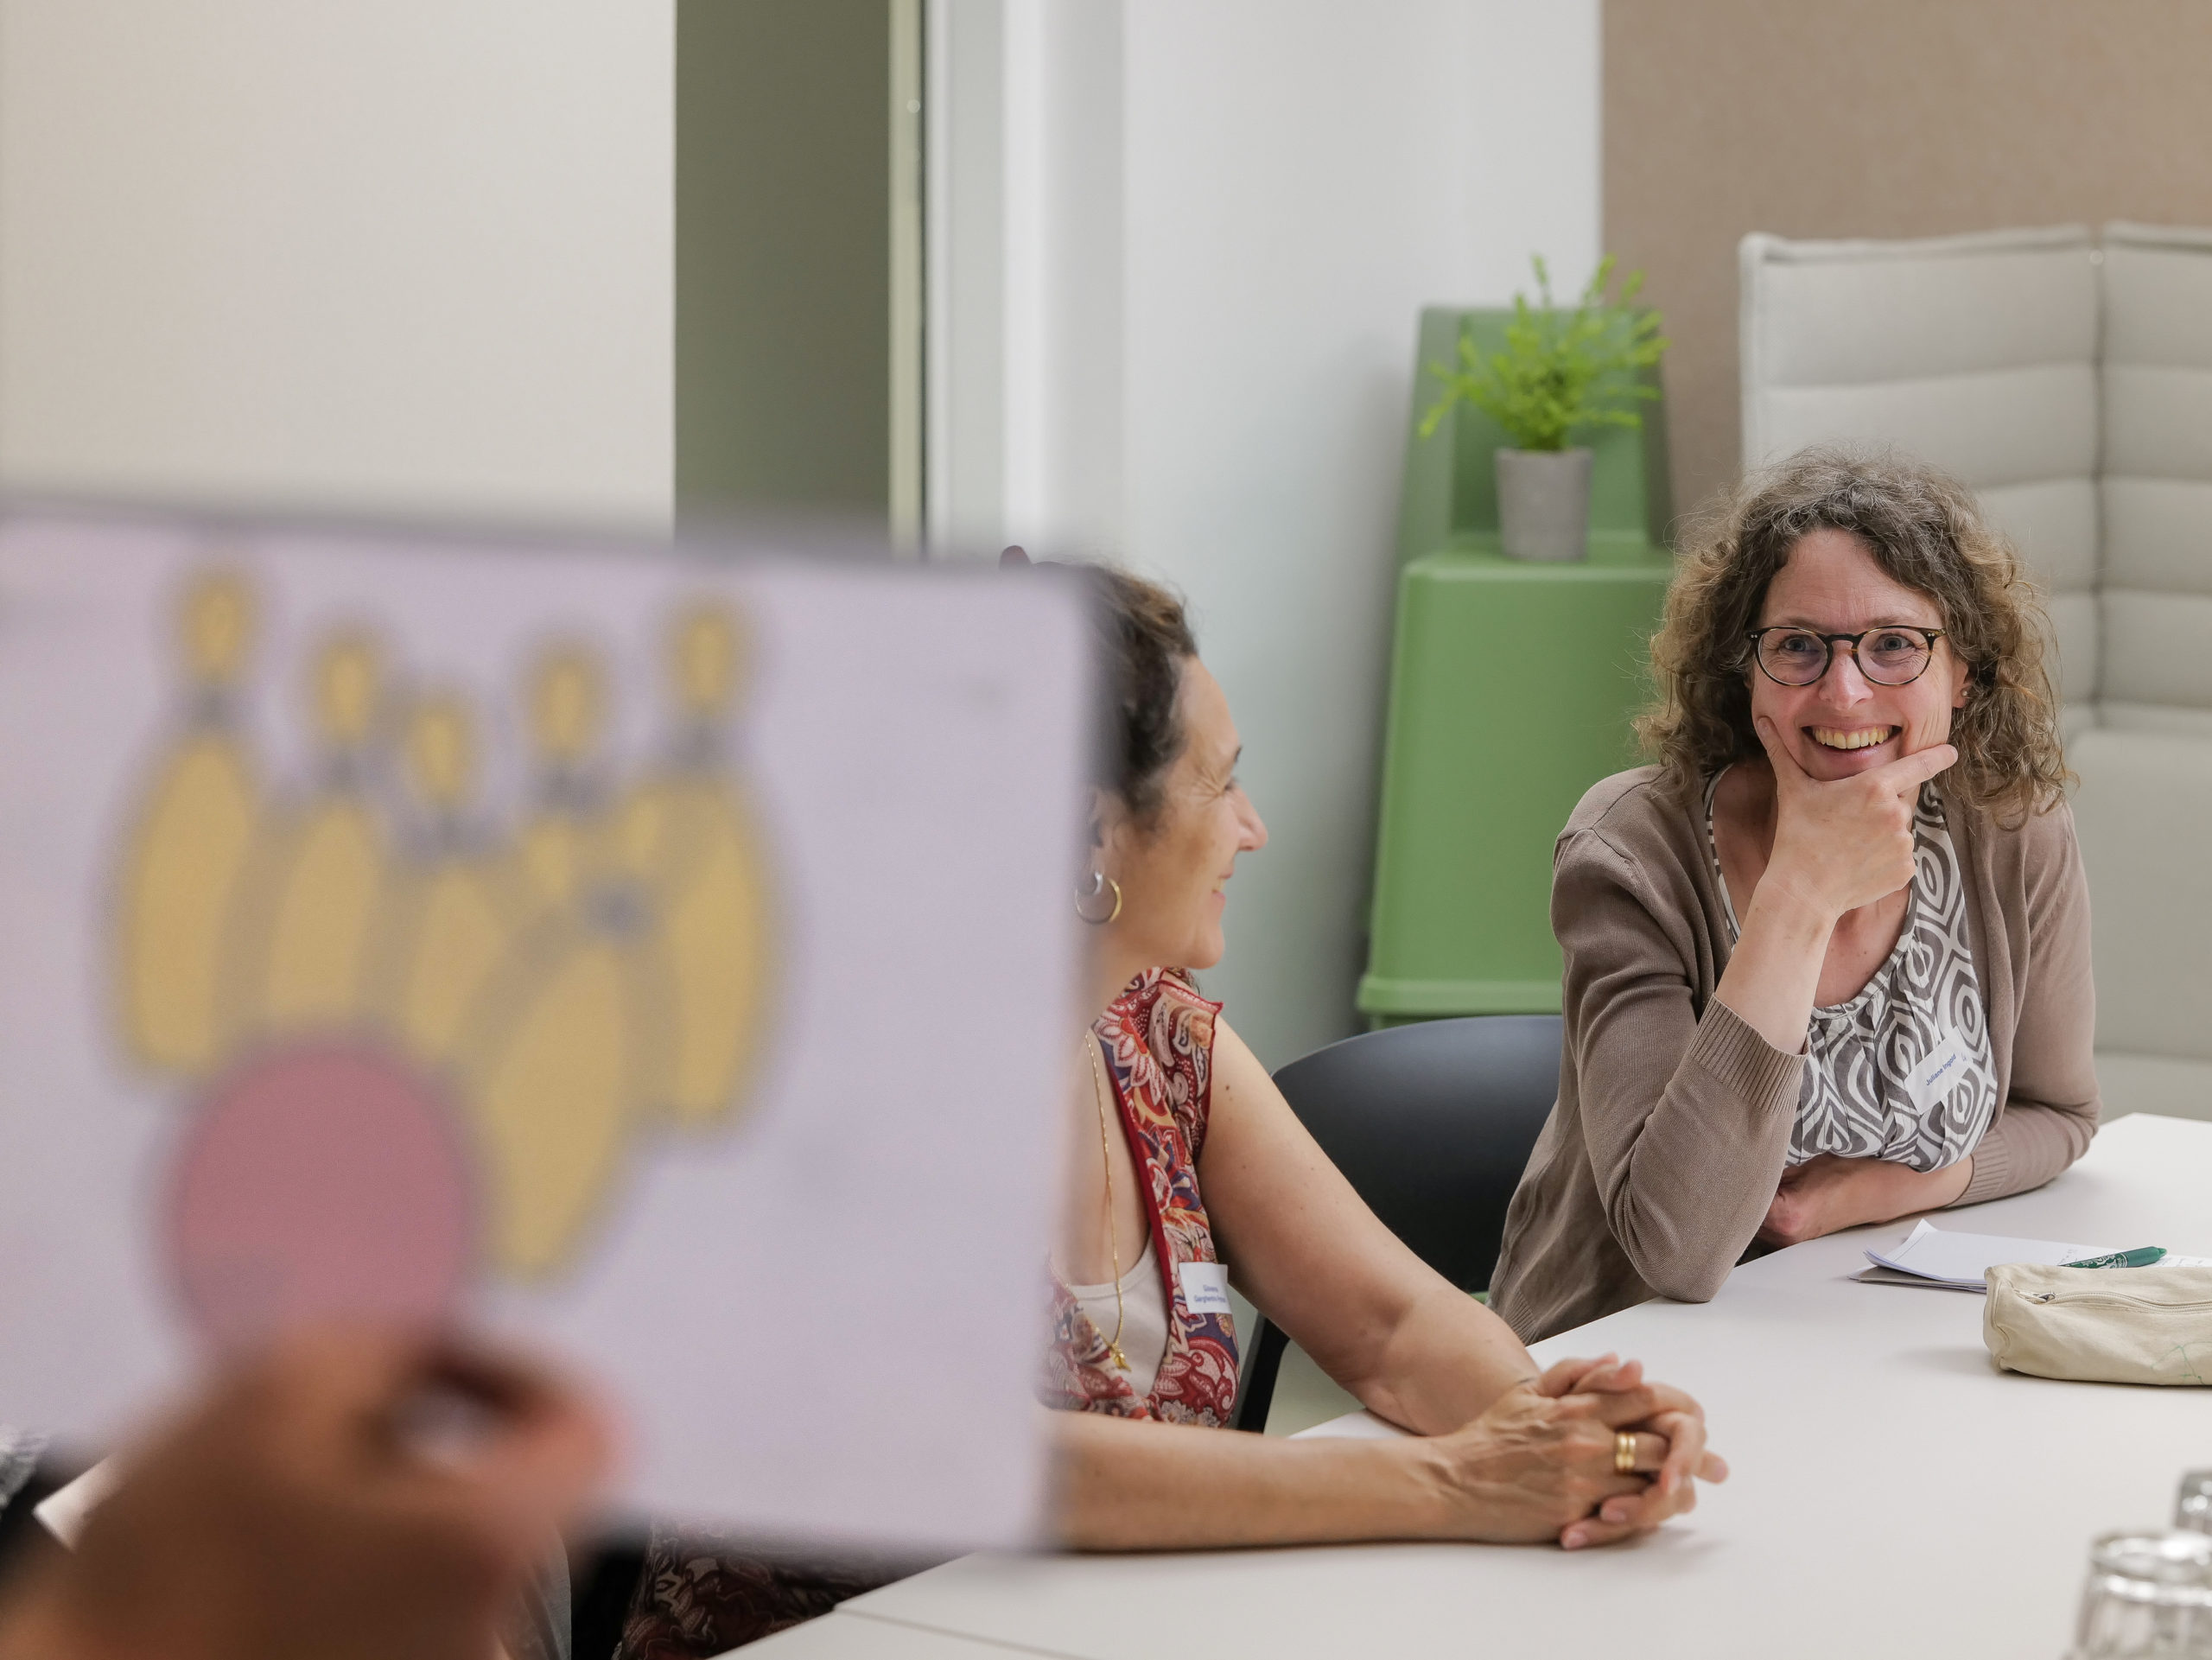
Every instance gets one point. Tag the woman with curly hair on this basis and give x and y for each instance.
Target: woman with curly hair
(1828, 961)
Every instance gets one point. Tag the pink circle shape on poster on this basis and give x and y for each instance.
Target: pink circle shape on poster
(321, 1180)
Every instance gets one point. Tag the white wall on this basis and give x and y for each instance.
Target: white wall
(1203, 358)
(1303, 176)
(399, 254)
(1025, 274)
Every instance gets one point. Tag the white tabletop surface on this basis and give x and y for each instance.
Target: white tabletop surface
(1893, 1493)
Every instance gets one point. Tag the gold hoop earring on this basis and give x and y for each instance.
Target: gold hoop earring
(1100, 881)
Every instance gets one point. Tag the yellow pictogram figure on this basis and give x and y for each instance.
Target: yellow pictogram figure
(572, 1036)
(188, 847)
(567, 696)
(558, 1092)
(447, 925)
(303, 959)
(688, 835)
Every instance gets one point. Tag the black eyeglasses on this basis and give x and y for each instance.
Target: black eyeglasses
(1890, 656)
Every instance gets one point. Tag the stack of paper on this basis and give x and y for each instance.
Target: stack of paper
(1960, 1260)
(1929, 1255)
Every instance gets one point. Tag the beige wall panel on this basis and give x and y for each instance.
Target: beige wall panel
(1878, 118)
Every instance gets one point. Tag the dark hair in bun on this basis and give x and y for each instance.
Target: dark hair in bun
(1144, 640)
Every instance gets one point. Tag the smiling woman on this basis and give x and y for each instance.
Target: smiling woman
(1828, 963)
(1187, 1171)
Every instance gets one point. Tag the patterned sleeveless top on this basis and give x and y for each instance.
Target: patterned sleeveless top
(1157, 1041)
(701, 1594)
(1902, 1072)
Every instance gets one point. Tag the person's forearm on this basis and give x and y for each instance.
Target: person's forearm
(1122, 1483)
(1901, 1190)
(2026, 1146)
(1774, 972)
(1689, 1192)
(1446, 1360)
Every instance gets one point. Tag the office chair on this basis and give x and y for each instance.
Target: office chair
(1432, 1123)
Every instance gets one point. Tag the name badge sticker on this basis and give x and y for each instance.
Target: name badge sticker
(1205, 1288)
(1938, 1072)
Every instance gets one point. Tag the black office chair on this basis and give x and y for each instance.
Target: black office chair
(1432, 1124)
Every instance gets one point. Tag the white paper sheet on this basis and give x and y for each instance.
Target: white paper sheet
(1961, 1261)
(673, 957)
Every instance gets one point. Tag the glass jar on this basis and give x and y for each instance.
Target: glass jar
(2149, 1598)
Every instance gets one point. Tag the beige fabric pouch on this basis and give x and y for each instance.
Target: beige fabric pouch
(2102, 1325)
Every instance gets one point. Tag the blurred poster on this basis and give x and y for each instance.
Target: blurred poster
(664, 961)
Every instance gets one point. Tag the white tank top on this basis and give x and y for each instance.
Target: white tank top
(1143, 1315)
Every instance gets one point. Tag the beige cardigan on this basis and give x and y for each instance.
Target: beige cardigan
(1673, 1122)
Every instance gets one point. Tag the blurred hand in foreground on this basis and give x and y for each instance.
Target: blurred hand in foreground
(294, 1511)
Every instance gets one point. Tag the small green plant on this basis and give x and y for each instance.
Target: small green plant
(1560, 369)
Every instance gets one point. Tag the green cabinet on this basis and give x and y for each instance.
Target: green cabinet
(1512, 687)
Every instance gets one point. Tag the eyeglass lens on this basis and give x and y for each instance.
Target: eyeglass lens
(1887, 657)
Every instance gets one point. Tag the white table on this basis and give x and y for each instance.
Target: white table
(1893, 1493)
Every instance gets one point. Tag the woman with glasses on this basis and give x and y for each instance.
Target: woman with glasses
(1828, 962)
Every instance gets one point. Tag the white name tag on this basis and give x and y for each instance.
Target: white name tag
(1939, 1071)
(1205, 1288)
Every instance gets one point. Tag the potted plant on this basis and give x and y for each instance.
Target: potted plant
(1561, 369)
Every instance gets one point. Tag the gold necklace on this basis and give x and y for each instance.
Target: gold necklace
(1113, 1233)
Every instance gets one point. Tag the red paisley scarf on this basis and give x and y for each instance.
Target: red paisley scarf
(1157, 1039)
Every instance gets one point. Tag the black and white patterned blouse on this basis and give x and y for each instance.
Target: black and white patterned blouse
(1900, 1072)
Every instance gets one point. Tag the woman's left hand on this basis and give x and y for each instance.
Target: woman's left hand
(1679, 1423)
(1828, 1194)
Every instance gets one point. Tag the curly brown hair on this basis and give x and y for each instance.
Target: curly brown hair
(1925, 530)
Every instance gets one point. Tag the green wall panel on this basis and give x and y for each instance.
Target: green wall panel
(1512, 688)
(783, 254)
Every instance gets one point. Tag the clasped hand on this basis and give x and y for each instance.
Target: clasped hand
(1540, 1463)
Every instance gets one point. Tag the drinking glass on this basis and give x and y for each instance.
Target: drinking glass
(2149, 1598)
(2193, 1509)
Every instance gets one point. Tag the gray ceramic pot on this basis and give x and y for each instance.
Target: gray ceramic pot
(1543, 503)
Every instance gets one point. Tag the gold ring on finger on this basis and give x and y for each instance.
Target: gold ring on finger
(1624, 1453)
